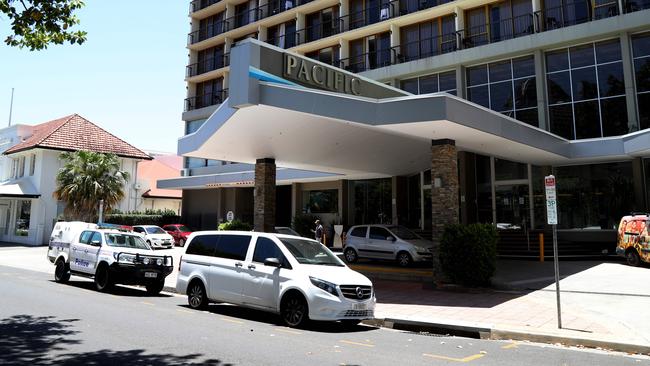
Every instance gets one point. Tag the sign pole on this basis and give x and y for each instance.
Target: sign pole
(551, 214)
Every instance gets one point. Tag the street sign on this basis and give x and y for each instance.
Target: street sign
(230, 216)
(551, 200)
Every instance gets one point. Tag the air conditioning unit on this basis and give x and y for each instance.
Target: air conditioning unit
(185, 172)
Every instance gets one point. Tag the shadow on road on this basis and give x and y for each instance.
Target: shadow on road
(117, 290)
(239, 312)
(45, 340)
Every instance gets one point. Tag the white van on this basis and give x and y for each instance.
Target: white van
(107, 255)
(298, 278)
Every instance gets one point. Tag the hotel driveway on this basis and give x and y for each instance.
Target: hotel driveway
(602, 303)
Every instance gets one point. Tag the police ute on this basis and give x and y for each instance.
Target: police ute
(108, 255)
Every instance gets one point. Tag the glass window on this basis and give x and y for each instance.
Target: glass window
(410, 85)
(477, 75)
(85, 237)
(507, 170)
(155, 230)
(322, 201)
(125, 240)
(193, 126)
(428, 84)
(501, 96)
(32, 164)
(614, 114)
(311, 252)
(266, 248)
(479, 95)
(23, 216)
(500, 71)
(442, 82)
(372, 201)
(359, 232)
(379, 233)
(232, 246)
(522, 67)
(447, 82)
(203, 245)
(641, 55)
(578, 90)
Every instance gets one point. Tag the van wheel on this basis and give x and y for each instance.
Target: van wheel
(155, 287)
(181, 243)
(62, 271)
(350, 255)
(196, 296)
(294, 310)
(404, 259)
(633, 258)
(103, 281)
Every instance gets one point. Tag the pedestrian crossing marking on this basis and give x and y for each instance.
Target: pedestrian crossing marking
(463, 360)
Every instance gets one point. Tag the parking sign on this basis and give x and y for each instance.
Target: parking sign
(551, 200)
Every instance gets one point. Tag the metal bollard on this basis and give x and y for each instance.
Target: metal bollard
(541, 247)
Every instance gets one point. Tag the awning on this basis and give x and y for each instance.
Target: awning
(18, 189)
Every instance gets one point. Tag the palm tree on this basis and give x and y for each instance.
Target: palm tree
(86, 178)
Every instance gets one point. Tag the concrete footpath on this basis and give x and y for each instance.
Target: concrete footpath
(604, 305)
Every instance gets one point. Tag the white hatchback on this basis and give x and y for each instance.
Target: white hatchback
(155, 236)
(298, 278)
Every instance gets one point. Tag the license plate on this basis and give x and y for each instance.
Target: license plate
(361, 306)
(150, 274)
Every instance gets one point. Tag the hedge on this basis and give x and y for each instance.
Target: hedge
(468, 253)
(235, 225)
(141, 219)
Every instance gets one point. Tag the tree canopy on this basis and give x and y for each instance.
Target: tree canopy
(86, 178)
(35, 24)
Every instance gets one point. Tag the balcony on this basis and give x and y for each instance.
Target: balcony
(424, 48)
(285, 41)
(197, 5)
(210, 31)
(205, 100)
(574, 13)
(207, 65)
(319, 31)
(368, 16)
(496, 32)
(366, 61)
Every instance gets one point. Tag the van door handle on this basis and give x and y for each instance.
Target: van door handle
(238, 264)
(252, 266)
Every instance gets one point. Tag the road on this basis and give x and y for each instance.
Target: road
(46, 323)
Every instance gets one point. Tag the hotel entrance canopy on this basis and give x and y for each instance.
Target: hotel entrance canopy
(311, 116)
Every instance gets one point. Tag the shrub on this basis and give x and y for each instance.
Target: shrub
(235, 225)
(303, 224)
(468, 253)
(132, 219)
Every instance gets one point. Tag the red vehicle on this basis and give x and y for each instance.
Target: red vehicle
(179, 232)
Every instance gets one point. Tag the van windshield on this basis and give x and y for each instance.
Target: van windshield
(311, 252)
(403, 233)
(125, 241)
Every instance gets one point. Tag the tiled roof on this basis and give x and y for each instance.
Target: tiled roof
(72, 133)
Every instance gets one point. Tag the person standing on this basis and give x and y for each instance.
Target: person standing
(318, 232)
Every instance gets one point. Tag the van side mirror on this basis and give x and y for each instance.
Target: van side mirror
(272, 262)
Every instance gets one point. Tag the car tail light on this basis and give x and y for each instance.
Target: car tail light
(180, 261)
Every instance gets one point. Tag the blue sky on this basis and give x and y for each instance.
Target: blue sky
(127, 77)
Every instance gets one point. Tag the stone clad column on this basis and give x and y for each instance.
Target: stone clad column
(444, 193)
(264, 196)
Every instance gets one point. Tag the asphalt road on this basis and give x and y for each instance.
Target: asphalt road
(45, 323)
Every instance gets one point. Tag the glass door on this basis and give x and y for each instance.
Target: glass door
(512, 207)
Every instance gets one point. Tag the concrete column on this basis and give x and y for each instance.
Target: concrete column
(394, 39)
(264, 195)
(344, 11)
(262, 33)
(300, 28)
(460, 82)
(628, 77)
(344, 51)
(230, 12)
(540, 84)
(460, 25)
(444, 193)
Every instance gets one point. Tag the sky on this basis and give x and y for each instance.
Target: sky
(126, 78)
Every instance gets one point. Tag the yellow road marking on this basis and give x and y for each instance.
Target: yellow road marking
(232, 321)
(509, 346)
(287, 331)
(184, 311)
(147, 303)
(358, 344)
(466, 359)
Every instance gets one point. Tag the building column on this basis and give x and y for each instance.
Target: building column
(628, 78)
(467, 174)
(394, 41)
(461, 91)
(638, 180)
(264, 195)
(444, 193)
(540, 85)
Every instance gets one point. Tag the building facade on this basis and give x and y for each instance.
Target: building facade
(577, 69)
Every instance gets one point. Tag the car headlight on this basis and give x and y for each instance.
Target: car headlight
(126, 258)
(421, 249)
(145, 260)
(324, 285)
(159, 262)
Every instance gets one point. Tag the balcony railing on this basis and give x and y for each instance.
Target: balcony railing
(368, 16)
(574, 13)
(319, 31)
(495, 32)
(197, 5)
(207, 65)
(425, 48)
(284, 41)
(412, 6)
(636, 5)
(367, 61)
(205, 100)
(209, 31)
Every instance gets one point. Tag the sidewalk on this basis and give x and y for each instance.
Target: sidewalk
(603, 304)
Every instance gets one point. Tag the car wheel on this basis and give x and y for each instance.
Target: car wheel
(103, 281)
(181, 242)
(155, 287)
(294, 311)
(196, 296)
(61, 272)
(404, 259)
(350, 255)
(632, 258)
(349, 323)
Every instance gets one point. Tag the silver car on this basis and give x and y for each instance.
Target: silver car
(386, 242)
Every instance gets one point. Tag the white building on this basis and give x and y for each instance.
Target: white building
(28, 168)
